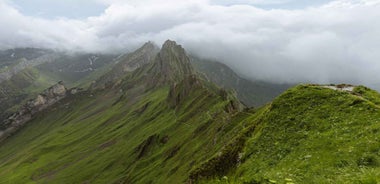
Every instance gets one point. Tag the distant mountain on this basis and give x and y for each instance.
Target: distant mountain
(250, 92)
(8, 57)
(26, 72)
(154, 118)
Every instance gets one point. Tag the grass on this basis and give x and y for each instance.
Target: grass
(102, 138)
(314, 135)
(309, 134)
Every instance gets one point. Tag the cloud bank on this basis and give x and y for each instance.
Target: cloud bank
(332, 43)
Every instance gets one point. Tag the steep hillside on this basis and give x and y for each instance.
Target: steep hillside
(250, 92)
(134, 132)
(310, 134)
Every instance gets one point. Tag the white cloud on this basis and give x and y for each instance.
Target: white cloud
(335, 42)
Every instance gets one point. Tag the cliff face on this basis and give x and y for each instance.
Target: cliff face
(44, 100)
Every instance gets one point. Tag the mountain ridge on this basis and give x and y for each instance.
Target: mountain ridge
(171, 132)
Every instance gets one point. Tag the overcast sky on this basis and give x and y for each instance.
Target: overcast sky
(320, 41)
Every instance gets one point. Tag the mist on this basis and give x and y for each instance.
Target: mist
(336, 42)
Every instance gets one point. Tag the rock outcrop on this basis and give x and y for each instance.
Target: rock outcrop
(44, 100)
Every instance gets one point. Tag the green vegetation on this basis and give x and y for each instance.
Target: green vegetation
(138, 140)
(311, 134)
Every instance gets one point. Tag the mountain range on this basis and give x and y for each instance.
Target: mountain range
(158, 115)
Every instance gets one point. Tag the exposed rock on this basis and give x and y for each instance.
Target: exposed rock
(75, 90)
(127, 64)
(172, 64)
(18, 119)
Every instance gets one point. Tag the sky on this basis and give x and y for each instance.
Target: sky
(321, 41)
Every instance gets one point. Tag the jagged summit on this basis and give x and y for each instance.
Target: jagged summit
(172, 63)
(150, 65)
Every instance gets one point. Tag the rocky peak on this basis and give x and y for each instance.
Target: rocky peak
(172, 63)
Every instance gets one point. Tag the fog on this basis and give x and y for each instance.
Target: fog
(335, 42)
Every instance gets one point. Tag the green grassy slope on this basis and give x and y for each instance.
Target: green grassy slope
(312, 134)
(107, 138)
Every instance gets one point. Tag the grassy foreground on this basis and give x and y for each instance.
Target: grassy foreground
(311, 134)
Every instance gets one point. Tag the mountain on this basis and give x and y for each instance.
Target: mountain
(153, 126)
(250, 92)
(25, 72)
(11, 56)
(164, 122)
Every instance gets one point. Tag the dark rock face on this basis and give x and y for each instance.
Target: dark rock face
(47, 98)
